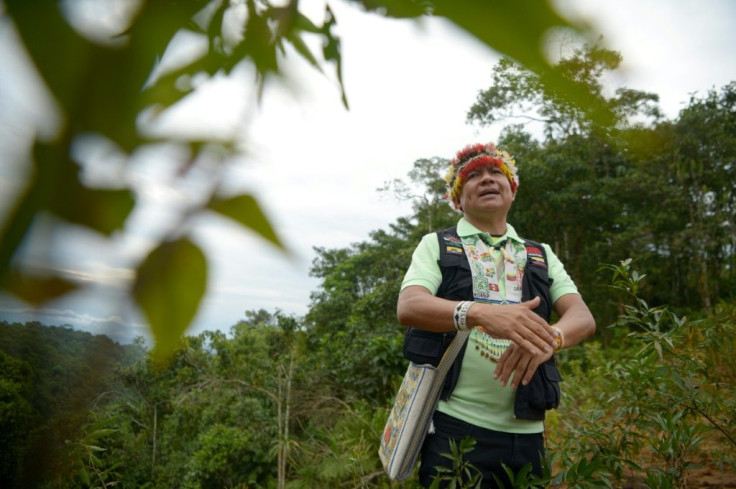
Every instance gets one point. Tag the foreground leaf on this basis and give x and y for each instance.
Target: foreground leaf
(245, 210)
(519, 30)
(36, 290)
(169, 287)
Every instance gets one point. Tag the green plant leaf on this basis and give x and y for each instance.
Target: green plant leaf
(34, 289)
(296, 41)
(258, 42)
(518, 30)
(55, 187)
(331, 50)
(17, 224)
(101, 210)
(398, 8)
(168, 288)
(245, 210)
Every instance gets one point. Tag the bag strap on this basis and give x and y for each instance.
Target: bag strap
(450, 354)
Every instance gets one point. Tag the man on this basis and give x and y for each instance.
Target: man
(482, 275)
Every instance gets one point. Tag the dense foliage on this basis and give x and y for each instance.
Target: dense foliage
(50, 377)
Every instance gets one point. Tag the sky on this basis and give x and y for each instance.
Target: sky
(313, 165)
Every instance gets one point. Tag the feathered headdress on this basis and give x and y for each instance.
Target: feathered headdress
(474, 156)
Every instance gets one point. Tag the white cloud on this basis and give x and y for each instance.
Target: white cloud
(122, 328)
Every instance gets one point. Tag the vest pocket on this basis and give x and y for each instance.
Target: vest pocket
(424, 347)
(457, 279)
(545, 393)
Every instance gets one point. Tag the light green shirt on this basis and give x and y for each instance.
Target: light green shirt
(478, 398)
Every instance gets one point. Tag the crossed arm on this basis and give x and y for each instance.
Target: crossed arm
(532, 337)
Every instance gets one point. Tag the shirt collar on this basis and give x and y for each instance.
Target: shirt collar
(464, 228)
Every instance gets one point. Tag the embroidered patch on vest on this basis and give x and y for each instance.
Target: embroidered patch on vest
(536, 256)
(453, 245)
(451, 238)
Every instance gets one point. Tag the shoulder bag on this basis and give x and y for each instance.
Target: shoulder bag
(410, 417)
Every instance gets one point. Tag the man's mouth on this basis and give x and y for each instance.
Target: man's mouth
(489, 192)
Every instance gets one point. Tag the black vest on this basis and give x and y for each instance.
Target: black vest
(422, 347)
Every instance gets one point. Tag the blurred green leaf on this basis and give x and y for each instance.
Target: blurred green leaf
(36, 290)
(59, 53)
(54, 187)
(168, 288)
(398, 8)
(258, 43)
(298, 43)
(166, 91)
(504, 24)
(303, 23)
(101, 210)
(519, 29)
(17, 224)
(99, 87)
(245, 210)
(59, 191)
(331, 50)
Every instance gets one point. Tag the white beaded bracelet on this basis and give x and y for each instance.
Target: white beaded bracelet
(460, 318)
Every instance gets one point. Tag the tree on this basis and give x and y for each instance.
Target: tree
(682, 190)
(519, 93)
(646, 187)
(426, 189)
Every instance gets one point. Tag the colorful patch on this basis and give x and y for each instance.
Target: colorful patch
(455, 250)
(452, 238)
(536, 256)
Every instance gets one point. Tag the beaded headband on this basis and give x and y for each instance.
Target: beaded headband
(473, 157)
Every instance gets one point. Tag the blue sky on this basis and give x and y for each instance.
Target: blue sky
(314, 165)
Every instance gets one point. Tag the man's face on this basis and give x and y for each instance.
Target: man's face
(486, 189)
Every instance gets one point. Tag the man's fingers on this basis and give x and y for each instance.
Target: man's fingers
(518, 363)
(530, 346)
(539, 337)
(530, 369)
(506, 364)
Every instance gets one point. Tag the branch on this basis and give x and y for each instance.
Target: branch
(367, 478)
(702, 412)
(211, 382)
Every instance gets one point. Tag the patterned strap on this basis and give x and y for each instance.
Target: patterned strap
(425, 415)
(450, 354)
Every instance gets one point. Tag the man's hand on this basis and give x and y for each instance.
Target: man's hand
(519, 362)
(515, 322)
